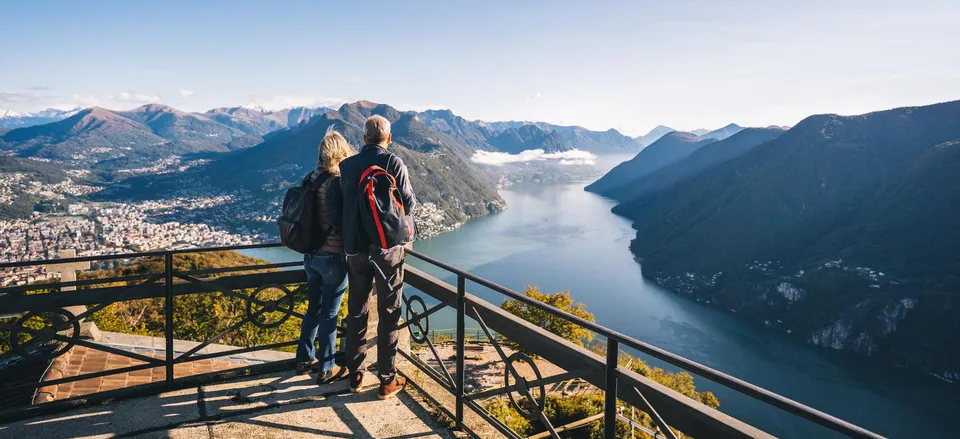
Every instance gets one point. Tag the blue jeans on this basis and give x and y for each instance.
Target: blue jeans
(326, 282)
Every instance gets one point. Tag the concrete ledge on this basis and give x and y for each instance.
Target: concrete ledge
(160, 344)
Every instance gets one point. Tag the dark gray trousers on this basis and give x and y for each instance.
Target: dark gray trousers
(361, 276)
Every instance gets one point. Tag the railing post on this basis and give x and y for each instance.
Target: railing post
(610, 402)
(168, 314)
(461, 340)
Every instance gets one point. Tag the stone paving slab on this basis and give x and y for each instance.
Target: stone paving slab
(180, 346)
(393, 418)
(270, 390)
(277, 405)
(109, 420)
(260, 391)
(196, 431)
(361, 416)
(282, 422)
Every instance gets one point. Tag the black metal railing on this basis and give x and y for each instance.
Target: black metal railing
(39, 325)
(666, 408)
(612, 371)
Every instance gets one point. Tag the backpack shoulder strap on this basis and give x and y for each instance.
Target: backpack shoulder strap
(331, 226)
(371, 169)
(306, 179)
(320, 180)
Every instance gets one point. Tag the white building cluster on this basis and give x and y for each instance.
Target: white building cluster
(8, 181)
(12, 182)
(109, 228)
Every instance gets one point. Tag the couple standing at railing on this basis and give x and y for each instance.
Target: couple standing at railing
(351, 221)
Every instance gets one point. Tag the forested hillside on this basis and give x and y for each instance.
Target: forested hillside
(842, 230)
(449, 187)
(669, 149)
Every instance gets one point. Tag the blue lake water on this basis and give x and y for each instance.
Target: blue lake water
(559, 237)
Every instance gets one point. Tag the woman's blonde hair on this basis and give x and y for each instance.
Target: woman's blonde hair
(333, 149)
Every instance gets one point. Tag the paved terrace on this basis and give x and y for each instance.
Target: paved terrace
(276, 405)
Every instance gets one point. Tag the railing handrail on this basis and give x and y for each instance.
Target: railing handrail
(714, 375)
(150, 254)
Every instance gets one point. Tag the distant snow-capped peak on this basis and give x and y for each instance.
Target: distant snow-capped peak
(255, 107)
(49, 112)
(56, 112)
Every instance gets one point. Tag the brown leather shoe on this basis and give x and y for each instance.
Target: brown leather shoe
(356, 381)
(306, 366)
(332, 375)
(390, 389)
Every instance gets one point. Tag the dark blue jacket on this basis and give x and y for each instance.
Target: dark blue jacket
(350, 171)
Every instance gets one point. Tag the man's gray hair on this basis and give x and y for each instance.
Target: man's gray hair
(376, 129)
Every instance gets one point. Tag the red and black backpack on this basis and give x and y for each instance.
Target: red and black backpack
(383, 220)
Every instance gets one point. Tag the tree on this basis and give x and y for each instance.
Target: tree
(557, 325)
(197, 317)
(565, 409)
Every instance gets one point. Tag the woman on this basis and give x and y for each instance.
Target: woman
(326, 267)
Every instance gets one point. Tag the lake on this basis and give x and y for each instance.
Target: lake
(559, 237)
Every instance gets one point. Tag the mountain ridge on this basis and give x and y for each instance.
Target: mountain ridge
(668, 149)
(260, 122)
(655, 134)
(839, 230)
(479, 134)
(12, 119)
(449, 188)
(704, 158)
(723, 132)
(97, 135)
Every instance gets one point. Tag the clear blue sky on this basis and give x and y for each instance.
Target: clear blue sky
(629, 66)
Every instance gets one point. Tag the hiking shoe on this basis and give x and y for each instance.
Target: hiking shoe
(305, 367)
(392, 388)
(331, 375)
(356, 381)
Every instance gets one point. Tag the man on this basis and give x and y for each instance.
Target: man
(361, 273)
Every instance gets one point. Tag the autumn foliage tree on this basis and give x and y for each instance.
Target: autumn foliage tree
(564, 409)
(197, 317)
(570, 331)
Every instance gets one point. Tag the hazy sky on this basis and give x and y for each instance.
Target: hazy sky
(599, 64)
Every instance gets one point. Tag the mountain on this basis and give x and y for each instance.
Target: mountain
(528, 137)
(473, 133)
(699, 131)
(10, 119)
(723, 133)
(450, 189)
(189, 128)
(669, 149)
(702, 159)
(841, 230)
(259, 122)
(97, 136)
(654, 135)
(478, 133)
(609, 141)
(505, 125)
